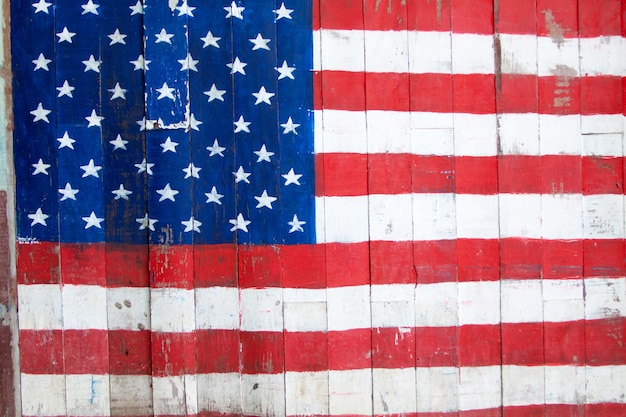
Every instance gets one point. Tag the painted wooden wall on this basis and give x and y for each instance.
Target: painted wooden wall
(464, 254)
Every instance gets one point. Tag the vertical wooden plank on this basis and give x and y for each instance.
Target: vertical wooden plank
(125, 204)
(434, 218)
(170, 199)
(347, 265)
(79, 117)
(305, 295)
(392, 303)
(215, 253)
(348, 297)
(9, 332)
(38, 263)
(603, 202)
(558, 98)
(523, 375)
(477, 215)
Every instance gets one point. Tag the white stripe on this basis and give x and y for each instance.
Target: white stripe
(172, 309)
(263, 394)
(399, 305)
(343, 392)
(306, 393)
(84, 307)
(40, 307)
(131, 395)
(87, 395)
(461, 53)
(128, 308)
(474, 216)
(423, 133)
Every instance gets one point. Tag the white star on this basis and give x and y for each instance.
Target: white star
(167, 193)
(91, 64)
(118, 92)
(41, 62)
(210, 40)
(40, 114)
(234, 11)
(42, 6)
(146, 222)
(289, 126)
(68, 192)
(263, 96)
(239, 223)
(214, 196)
(192, 225)
(94, 119)
(193, 123)
(66, 90)
(285, 71)
(38, 218)
(93, 221)
(144, 166)
(40, 167)
(283, 12)
(121, 193)
(263, 154)
(185, 9)
(140, 63)
(169, 145)
(188, 63)
(117, 37)
(241, 175)
(165, 92)
(136, 9)
(260, 43)
(241, 125)
(265, 200)
(90, 7)
(118, 143)
(237, 66)
(65, 35)
(216, 149)
(91, 169)
(163, 36)
(142, 124)
(291, 177)
(296, 225)
(191, 171)
(215, 94)
(66, 141)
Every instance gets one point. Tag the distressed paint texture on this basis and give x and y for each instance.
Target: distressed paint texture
(463, 177)
(9, 362)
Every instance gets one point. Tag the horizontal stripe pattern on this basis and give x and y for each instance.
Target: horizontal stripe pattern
(557, 385)
(51, 307)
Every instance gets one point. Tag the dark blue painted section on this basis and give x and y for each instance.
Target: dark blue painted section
(165, 45)
(130, 168)
(32, 36)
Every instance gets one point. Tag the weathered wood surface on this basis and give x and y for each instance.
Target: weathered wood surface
(469, 226)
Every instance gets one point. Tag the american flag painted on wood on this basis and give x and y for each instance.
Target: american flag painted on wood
(347, 207)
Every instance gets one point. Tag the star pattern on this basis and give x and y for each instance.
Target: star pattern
(101, 71)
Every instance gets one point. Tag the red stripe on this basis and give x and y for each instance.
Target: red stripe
(350, 174)
(348, 264)
(468, 93)
(117, 352)
(475, 16)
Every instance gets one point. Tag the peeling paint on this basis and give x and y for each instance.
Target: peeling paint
(556, 31)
